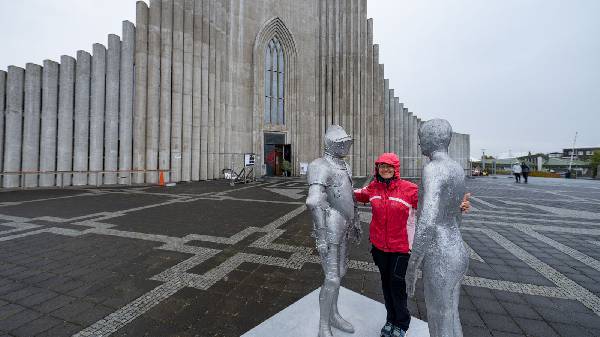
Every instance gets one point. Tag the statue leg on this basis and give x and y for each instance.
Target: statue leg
(337, 321)
(329, 288)
(439, 300)
(456, 297)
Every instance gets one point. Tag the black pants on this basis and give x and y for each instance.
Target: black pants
(392, 267)
(518, 177)
(525, 175)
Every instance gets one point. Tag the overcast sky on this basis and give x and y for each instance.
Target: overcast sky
(518, 75)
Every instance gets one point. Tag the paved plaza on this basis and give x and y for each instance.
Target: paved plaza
(208, 259)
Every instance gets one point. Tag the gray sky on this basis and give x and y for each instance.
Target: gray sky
(519, 75)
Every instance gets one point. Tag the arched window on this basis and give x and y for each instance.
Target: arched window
(274, 83)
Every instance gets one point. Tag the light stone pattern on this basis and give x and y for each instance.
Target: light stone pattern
(183, 93)
(177, 277)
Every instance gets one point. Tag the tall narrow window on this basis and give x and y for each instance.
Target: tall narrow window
(274, 83)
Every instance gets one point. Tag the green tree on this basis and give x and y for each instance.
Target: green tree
(595, 161)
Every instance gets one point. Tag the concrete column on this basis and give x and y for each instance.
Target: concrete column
(166, 42)
(15, 81)
(126, 89)
(97, 107)
(419, 160)
(363, 87)
(330, 56)
(222, 79)
(141, 91)
(211, 91)
(177, 91)
(49, 122)
(408, 143)
(355, 94)
(414, 143)
(31, 123)
(335, 61)
(388, 112)
(66, 103)
(111, 121)
(405, 140)
(381, 117)
(2, 114)
(82, 117)
(369, 155)
(197, 89)
(204, 118)
(398, 127)
(217, 85)
(342, 95)
(350, 52)
(189, 72)
(154, 91)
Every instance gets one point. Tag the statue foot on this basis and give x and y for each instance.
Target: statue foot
(340, 323)
(325, 331)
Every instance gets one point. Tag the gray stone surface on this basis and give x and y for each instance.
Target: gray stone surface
(97, 112)
(188, 82)
(66, 103)
(177, 92)
(126, 95)
(49, 122)
(15, 83)
(140, 91)
(154, 92)
(111, 112)
(31, 123)
(166, 71)
(2, 111)
(82, 117)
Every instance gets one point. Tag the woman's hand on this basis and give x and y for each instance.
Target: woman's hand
(465, 205)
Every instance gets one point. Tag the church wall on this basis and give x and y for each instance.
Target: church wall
(182, 92)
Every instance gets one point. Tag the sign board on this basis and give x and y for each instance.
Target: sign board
(303, 169)
(249, 159)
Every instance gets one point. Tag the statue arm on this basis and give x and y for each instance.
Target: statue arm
(428, 209)
(317, 204)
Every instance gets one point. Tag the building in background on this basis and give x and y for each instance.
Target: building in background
(194, 85)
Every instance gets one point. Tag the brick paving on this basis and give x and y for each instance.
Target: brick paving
(208, 259)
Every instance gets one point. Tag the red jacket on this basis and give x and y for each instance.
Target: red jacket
(393, 208)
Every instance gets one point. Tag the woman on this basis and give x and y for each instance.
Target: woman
(393, 203)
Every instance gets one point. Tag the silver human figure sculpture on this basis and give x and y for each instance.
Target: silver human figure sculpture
(438, 245)
(335, 220)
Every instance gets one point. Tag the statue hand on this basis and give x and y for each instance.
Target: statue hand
(411, 274)
(465, 205)
(356, 229)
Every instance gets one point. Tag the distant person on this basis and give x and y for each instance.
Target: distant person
(516, 169)
(525, 171)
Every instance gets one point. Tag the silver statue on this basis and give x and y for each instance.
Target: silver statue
(335, 220)
(438, 244)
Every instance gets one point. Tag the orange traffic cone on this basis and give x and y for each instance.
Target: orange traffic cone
(161, 179)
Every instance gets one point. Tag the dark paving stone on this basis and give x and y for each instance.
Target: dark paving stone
(29, 195)
(37, 326)
(61, 329)
(182, 219)
(501, 323)
(18, 319)
(570, 330)
(536, 328)
(83, 205)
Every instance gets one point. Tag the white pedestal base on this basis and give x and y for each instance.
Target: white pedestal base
(301, 319)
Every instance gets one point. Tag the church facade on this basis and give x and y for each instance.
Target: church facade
(194, 85)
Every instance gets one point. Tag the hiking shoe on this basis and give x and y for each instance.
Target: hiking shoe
(387, 329)
(397, 332)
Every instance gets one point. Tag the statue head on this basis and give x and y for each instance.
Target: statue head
(435, 135)
(337, 141)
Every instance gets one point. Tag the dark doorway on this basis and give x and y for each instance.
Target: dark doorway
(278, 155)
